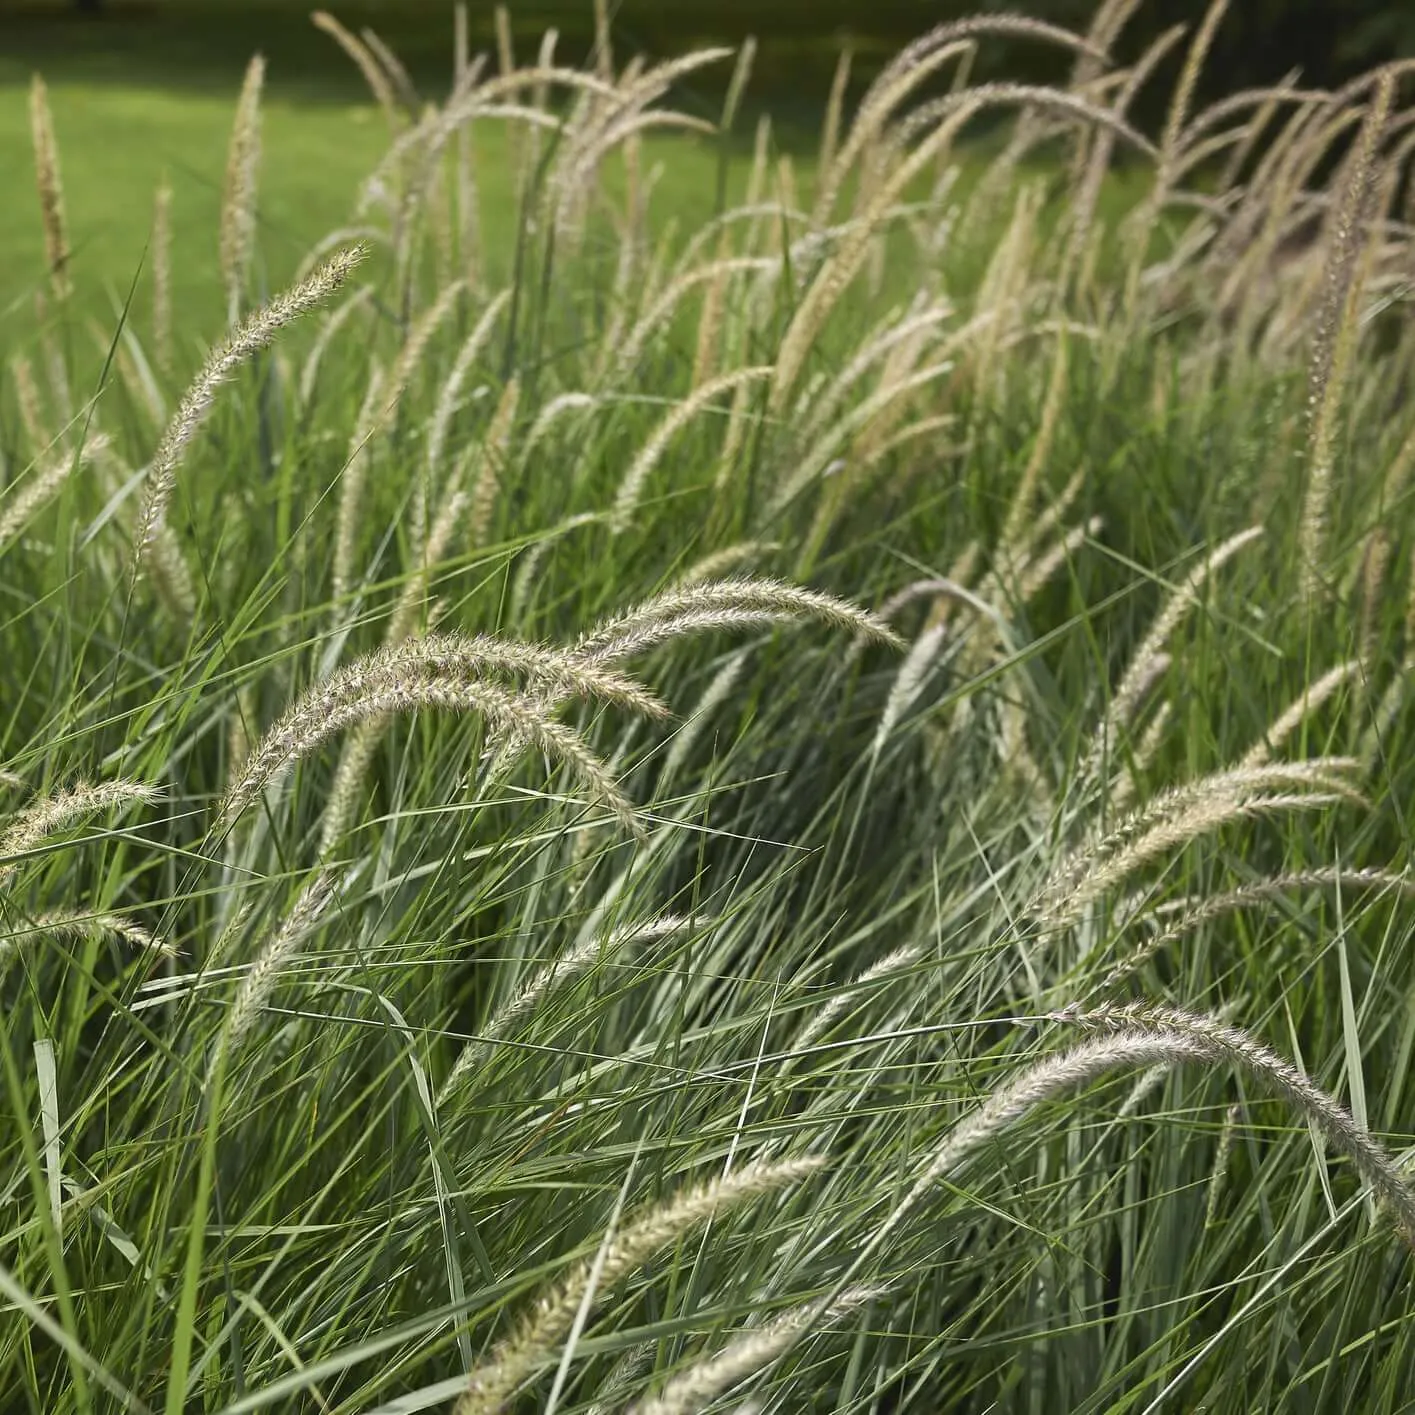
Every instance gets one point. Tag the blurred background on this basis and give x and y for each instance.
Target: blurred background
(142, 93)
(205, 42)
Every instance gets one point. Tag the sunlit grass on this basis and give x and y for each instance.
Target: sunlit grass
(773, 782)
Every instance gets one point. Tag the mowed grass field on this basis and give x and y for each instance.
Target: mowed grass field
(702, 768)
(119, 143)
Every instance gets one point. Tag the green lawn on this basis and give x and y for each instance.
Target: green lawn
(149, 90)
(117, 142)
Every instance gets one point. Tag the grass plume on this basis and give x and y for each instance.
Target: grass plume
(518, 1355)
(254, 333)
(445, 674)
(51, 189)
(238, 195)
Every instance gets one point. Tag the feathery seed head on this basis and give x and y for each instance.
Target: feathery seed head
(1201, 911)
(43, 484)
(368, 65)
(631, 488)
(238, 196)
(893, 962)
(1310, 700)
(27, 828)
(447, 401)
(446, 674)
(1043, 1080)
(723, 604)
(259, 981)
(162, 276)
(751, 1351)
(1141, 673)
(715, 565)
(518, 1356)
(492, 455)
(82, 925)
(566, 969)
(51, 189)
(1333, 345)
(1181, 814)
(253, 334)
(1216, 1041)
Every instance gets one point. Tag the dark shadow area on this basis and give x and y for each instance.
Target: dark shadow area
(204, 44)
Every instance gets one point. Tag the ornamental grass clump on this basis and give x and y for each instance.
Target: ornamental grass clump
(560, 819)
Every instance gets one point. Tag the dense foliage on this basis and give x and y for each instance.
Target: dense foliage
(806, 809)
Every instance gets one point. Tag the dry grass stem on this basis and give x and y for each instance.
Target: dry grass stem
(817, 460)
(1375, 739)
(551, 414)
(909, 681)
(865, 135)
(752, 1351)
(705, 355)
(450, 513)
(899, 78)
(355, 760)
(172, 577)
